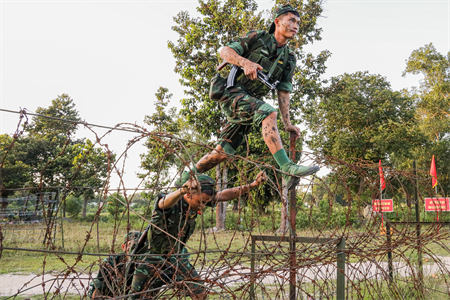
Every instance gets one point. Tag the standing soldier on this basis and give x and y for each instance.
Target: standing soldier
(266, 52)
(172, 224)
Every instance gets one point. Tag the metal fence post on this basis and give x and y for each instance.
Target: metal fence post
(61, 218)
(388, 237)
(419, 249)
(252, 270)
(340, 276)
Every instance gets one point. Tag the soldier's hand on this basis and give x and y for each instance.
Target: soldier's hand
(190, 185)
(251, 68)
(260, 179)
(297, 132)
(96, 294)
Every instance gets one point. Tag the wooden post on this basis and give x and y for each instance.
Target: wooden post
(252, 271)
(390, 265)
(292, 215)
(419, 249)
(340, 276)
(62, 220)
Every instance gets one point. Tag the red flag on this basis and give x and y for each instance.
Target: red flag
(433, 173)
(382, 182)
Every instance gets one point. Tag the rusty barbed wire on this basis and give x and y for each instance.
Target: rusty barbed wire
(252, 258)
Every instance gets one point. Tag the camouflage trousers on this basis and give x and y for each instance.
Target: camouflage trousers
(242, 111)
(153, 272)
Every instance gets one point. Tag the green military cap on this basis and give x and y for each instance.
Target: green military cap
(206, 182)
(279, 11)
(132, 236)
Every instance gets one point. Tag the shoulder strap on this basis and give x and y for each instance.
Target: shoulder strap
(259, 43)
(275, 63)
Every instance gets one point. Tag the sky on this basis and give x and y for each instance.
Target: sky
(112, 56)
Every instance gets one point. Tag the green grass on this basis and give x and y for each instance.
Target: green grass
(23, 263)
(222, 245)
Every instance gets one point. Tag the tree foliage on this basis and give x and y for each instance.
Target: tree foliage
(166, 152)
(14, 172)
(48, 155)
(434, 90)
(433, 109)
(196, 53)
(62, 107)
(360, 118)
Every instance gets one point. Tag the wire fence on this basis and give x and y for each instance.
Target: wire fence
(340, 248)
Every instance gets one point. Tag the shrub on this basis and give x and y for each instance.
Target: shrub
(73, 206)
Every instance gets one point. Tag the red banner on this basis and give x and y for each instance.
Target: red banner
(384, 205)
(433, 173)
(382, 182)
(437, 204)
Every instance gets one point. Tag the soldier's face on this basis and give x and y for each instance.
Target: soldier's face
(287, 25)
(196, 200)
(127, 246)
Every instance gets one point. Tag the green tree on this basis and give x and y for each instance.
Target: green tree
(50, 144)
(359, 117)
(90, 170)
(196, 54)
(433, 110)
(73, 206)
(14, 172)
(434, 91)
(50, 126)
(170, 148)
(115, 208)
(162, 150)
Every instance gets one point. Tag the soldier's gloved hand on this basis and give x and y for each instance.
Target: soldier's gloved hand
(251, 68)
(260, 179)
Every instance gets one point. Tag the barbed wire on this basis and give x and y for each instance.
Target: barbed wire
(252, 258)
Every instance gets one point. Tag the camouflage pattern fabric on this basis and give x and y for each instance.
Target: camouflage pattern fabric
(265, 55)
(132, 235)
(206, 182)
(113, 269)
(155, 271)
(242, 103)
(217, 87)
(242, 111)
(111, 275)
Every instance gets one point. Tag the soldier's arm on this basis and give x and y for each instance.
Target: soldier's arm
(283, 104)
(233, 193)
(171, 199)
(231, 56)
(96, 294)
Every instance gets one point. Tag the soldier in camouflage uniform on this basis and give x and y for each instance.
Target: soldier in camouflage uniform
(111, 275)
(172, 224)
(242, 104)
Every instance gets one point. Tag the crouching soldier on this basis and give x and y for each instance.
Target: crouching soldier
(172, 224)
(110, 280)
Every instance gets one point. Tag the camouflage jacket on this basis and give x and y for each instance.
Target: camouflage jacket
(178, 221)
(262, 48)
(113, 269)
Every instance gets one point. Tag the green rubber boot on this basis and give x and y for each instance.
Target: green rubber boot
(296, 171)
